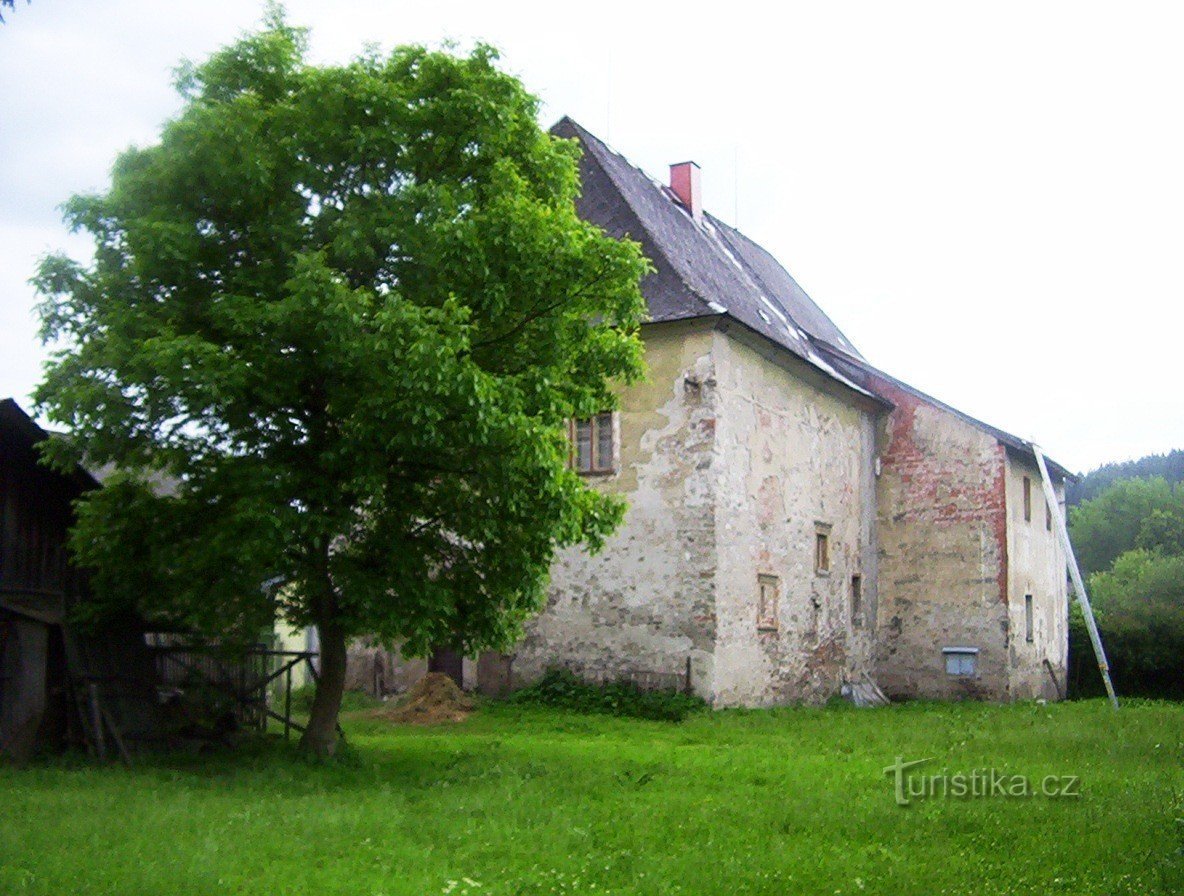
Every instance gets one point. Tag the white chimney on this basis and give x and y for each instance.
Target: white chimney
(684, 183)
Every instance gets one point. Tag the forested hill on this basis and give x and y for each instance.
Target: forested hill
(1170, 466)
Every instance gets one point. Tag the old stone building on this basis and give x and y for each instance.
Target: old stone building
(797, 519)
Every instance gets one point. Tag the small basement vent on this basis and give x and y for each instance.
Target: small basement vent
(961, 661)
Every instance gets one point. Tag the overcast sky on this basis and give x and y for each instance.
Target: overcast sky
(988, 199)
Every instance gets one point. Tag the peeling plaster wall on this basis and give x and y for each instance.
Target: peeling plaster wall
(645, 603)
(943, 552)
(792, 453)
(731, 454)
(1037, 567)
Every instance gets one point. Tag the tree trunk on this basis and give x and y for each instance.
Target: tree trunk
(320, 737)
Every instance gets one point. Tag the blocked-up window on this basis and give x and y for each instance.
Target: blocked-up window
(592, 444)
(961, 662)
(768, 588)
(821, 548)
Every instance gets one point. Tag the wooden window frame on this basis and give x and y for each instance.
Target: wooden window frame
(598, 465)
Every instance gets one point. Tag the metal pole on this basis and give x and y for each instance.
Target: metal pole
(1054, 507)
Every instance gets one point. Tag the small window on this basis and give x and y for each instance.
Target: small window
(1029, 628)
(766, 614)
(592, 444)
(961, 662)
(857, 600)
(1027, 500)
(821, 548)
(1047, 517)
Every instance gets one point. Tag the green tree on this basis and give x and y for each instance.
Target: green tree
(348, 310)
(1130, 513)
(1139, 604)
(1162, 531)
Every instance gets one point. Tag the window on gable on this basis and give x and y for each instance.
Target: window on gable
(767, 599)
(821, 548)
(1047, 517)
(1027, 500)
(592, 444)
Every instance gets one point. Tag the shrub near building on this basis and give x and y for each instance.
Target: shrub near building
(1131, 537)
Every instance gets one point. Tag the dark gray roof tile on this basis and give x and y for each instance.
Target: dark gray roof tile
(710, 268)
(702, 268)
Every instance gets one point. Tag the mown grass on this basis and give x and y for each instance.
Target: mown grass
(521, 800)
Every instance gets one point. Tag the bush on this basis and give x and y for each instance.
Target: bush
(1139, 606)
(564, 689)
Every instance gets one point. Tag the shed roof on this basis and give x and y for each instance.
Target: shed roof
(16, 424)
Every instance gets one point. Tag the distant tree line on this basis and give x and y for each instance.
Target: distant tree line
(1129, 540)
(1169, 466)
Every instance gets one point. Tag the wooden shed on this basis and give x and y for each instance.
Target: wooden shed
(59, 683)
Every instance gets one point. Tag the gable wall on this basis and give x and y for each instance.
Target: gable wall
(1037, 567)
(644, 605)
(941, 494)
(792, 452)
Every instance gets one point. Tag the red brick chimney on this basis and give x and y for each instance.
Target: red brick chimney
(684, 183)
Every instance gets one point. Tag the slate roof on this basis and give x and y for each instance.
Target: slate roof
(702, 268)
(709, 268)
(859, 371)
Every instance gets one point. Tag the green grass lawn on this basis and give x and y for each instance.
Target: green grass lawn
(527, 801)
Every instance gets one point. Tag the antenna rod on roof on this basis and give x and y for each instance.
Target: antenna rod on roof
(735, 186)
(608, 99)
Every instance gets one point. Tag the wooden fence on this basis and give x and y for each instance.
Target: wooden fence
(253, 681)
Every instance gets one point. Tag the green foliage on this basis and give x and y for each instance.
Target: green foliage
(346, 310)
(1131, 538)
(563, 689)
(526, 801)
(1147, 513)
(1168, 466)
(1162, 531)
(1139, 608)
